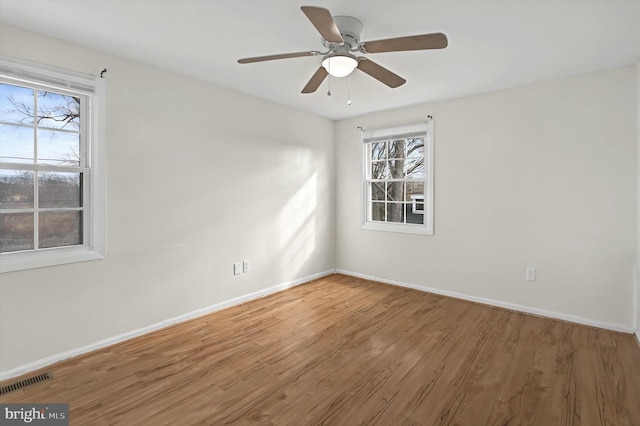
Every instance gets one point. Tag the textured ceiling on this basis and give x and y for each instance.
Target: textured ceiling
(492, 44)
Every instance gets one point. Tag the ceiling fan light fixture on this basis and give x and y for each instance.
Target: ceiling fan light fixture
(341, 36)
(340, 65)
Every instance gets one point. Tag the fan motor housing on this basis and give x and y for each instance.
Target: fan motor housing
(350, 29)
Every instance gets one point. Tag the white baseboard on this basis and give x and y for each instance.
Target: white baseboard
(506, 305)
(44, 362)
(636, 295)
(636, 308)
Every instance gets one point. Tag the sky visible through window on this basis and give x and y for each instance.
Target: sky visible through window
(38, 126)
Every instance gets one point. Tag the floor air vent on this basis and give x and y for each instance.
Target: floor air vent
(24, 383)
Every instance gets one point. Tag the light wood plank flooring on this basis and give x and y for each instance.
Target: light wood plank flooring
(347, 351)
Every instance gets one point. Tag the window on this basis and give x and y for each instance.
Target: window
(51, 171)
(417, 203)
(398, 179)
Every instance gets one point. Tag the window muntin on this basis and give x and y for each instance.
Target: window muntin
(51, 172)
(398, 181)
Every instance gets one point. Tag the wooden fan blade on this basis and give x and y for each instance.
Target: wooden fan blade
(380, 73)
(273, 57)
(315, 81)
(418, 42)
(323, 21)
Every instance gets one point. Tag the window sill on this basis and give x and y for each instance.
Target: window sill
(399, 228)
(19, 261)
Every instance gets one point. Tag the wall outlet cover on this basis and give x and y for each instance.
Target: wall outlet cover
(530, 273)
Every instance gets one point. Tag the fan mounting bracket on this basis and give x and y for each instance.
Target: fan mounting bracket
(350, 30)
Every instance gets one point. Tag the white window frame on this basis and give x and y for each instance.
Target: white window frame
(409, 228)
(92, 88)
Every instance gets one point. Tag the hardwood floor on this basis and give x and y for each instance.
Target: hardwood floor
(347, 351)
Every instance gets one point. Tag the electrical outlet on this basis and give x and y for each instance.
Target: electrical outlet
(530, 273)
(245, 266)
(237, 268)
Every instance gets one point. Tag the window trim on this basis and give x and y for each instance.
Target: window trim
(16, 71)
(406, 228)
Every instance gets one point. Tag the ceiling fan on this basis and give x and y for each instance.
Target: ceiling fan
(341, 36)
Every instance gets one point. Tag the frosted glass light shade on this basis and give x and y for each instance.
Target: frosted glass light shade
(339, 65)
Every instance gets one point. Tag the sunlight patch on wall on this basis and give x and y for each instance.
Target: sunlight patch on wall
(298, 227)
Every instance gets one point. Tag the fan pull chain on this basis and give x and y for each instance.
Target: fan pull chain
(349, 100)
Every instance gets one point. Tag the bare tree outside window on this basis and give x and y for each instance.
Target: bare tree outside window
(54, 110)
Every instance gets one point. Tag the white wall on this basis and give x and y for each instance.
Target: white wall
(542, 175)
(198, 178)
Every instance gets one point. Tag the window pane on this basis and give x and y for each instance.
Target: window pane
(17, 231)
(395, 191)
(378, 150)
(59, 189)
(56, 147)
(395, 212)
(412, 216)
(16, 189)
(16, 104)
(16, 144)
(57, 229)
(396, 169)
(396, 149)
(414, 166)
(413, 189)
(415, 170)
(59, 111)
(415, 148)
(377, 211)
(379, 170)
(377, 191)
